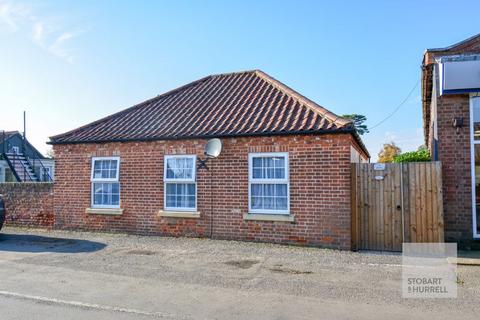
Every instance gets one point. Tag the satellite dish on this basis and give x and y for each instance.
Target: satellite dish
(213, 148)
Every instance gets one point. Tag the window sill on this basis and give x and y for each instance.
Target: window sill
(179, 214)
(269, 217)
(105, 211)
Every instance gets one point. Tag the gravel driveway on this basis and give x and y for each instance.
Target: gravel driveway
(73, 274)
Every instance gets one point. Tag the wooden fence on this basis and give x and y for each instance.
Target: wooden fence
(394, 203)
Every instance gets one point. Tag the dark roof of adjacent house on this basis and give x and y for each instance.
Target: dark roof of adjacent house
(468, 46)
(245, 103)
(4, 135)
(31, 150)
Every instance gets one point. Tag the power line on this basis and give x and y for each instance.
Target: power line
(397, 108)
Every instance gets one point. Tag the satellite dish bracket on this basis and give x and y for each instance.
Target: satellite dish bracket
(202, 163)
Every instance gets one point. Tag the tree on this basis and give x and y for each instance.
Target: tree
(50, 153)
(422, 147)
(358, 122)
(388, 153)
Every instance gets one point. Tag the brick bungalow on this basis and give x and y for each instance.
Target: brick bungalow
(451, 113)
(283, 175)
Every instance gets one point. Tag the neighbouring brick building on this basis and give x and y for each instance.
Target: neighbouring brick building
(283, 174)
(451, 114)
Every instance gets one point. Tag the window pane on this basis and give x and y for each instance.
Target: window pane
(105, 199)
(268, 203)
(476, 118)
(191, 189)
(257, 173)
(268, 168)
(97, 199)
(191, 202)
(189, 163)
(257, 162)
(180, 168)
(279, 162)
(180, 195)
(179, 201)
(97, 165)
(281, 190)
(270, 173)
(281, 203)
(171, 201)
(268, 190)
(279, 173)
(477, 184)
(98, 187)
(171, 187)
(257, 203)
(115, 199)
(106, 194)
(115, 187)
(257, 190)
(268, 162)
(270, 197)
(105, 169)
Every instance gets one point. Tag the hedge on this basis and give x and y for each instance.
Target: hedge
(414, 156)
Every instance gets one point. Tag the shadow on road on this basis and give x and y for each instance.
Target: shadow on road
(31, 243)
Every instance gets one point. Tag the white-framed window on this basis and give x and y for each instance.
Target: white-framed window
(268, 183)
(180, 190)
(105, 182)
(475, 158)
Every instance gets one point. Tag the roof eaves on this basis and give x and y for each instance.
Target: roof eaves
(453, 45)
(347, 130)
(207, 136)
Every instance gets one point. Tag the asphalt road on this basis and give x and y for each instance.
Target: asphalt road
(70, 275)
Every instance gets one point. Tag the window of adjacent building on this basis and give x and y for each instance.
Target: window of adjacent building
(105, 182)
(475, 130)
(180, 186)
(268, 183)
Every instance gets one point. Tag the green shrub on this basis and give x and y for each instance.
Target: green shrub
(414, 156)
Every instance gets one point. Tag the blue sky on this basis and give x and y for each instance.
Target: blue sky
(71, 62)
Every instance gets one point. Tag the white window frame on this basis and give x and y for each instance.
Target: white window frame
(251, 180)
(473, 142)
(170, 180)
(105, 180)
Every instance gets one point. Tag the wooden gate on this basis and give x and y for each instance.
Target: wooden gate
(394, 203)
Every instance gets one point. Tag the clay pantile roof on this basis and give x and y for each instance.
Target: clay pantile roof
(226, 105)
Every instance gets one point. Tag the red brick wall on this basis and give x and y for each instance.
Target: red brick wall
(28, 204)
(454, 153)
(319, 189)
